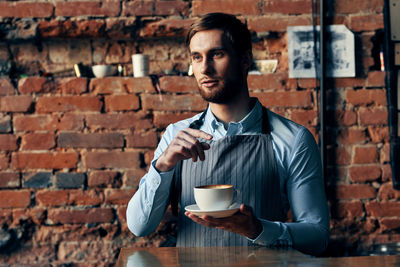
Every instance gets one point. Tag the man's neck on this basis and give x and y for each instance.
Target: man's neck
(232, 112)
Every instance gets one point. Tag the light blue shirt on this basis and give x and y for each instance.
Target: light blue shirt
(301, 182)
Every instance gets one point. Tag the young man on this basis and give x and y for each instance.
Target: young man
(274, 162)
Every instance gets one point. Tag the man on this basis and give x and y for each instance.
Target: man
(273, 162)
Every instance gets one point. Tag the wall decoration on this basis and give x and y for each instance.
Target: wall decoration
(340, 51)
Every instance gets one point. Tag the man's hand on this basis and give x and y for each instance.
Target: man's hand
(242, 222)
(184, 146)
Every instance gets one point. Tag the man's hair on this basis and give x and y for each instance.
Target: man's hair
(234, 30)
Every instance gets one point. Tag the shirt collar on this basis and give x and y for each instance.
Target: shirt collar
(248, 122)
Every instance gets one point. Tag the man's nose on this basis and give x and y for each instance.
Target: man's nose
(207, 66)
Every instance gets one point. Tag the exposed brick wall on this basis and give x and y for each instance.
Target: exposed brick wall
(72, 150)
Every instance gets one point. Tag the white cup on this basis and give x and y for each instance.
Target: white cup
(140, 64)
(215, 197)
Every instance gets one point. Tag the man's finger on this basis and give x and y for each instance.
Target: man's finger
(199, 134)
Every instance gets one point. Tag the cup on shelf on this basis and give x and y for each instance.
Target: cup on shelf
(140, 64)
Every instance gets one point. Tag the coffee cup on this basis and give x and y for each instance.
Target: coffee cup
(215, 197)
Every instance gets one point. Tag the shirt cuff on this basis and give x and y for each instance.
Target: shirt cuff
(273, 234)
(161, 180)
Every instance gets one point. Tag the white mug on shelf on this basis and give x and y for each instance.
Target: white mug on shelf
(140, 64)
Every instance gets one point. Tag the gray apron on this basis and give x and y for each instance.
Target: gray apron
(245, 161)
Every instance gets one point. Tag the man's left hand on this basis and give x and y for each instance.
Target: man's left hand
(243, 222)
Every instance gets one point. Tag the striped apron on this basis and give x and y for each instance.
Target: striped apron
(245, 161)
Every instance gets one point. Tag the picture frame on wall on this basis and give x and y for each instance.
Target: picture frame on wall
(303, 51)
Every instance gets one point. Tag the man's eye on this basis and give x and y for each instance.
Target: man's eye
(196, 57)
(218, 54)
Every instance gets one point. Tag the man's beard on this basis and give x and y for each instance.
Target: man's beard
(226, 93)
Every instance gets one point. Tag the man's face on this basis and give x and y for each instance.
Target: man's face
(216, 67)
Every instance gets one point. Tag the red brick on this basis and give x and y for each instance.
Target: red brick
(48, 122)
(178, 84)
(173, 102)
(384, 154)
(386, 173)
(85, 197)
(118, 196)
(162, 120)
(383, 209)
(26, 9)
(301, 99)
(132, 177)
(166, 28)
(87, 8)
(9, 179)
(17, 103)
(72, 86)
(342, 117)
(148, 157)
(111, 159)
(287, 7)
(104, 179)
(71, 29)
(4, 160)
(267, 81)
(346, 7)
(169, 8)
(30, 85)
(365, 173)
(6, 87)
(351, 136)
(347, 82)
(68, 103)
(137, 121)
(276, 24)
(137, 8)
(366, 97)
(339, 155)
(387, 192)
(91, 215)
(304, 117)
(365, 154)
(308, 83)
(8, 142)
(35, 214)
(373, 116)
(90, 140)
(376, 79)
(157, 8)
(58, 160)
(355, 191)
(122, 215)
(51, 198)
(379, 134)
(142, 140)
(350, 209)
(248, 7)
(368, 22)
(15, 199)
(118, 85)
(37, 141)
(389, 223)
(121, 102)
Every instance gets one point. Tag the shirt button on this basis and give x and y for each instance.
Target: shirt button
(155, 182)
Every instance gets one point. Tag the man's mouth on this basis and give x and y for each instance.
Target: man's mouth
(209, 83)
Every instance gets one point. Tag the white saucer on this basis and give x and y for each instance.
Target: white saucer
(213, 213)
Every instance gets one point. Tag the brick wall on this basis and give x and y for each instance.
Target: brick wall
(72, 150)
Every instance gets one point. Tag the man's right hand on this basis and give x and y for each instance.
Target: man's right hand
(184, 146)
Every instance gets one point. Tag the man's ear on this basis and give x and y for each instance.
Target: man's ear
(247, 59)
